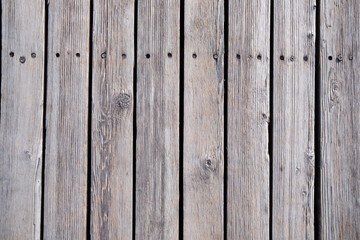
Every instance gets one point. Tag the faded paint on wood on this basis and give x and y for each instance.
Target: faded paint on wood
(340, 117)
(293, 120)
(66, 159)
(204, 120)
(248, 210)
(21, 121)
(112, 120)
(157, 120)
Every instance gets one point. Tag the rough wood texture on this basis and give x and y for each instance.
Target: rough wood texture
(293, 129)
(112, 120)
(21, 121)
(66, 157)
(157, 119)
(340, 117)
(204, 120)
(248, 209)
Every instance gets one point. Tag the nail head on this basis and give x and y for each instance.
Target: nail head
(22, 59)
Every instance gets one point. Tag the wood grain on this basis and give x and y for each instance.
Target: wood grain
(204, 120)
(340, 116)
(157, 120)
(112, 120)
(248, 209)
(21, 118)
(66, 158)
(293, 120)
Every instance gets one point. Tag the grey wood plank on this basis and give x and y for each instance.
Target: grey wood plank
(293, 120)
(248, 210)
(21, 118)
(204, 120)
(66, 159)
(340, 128)
(112, 120)
(157, 120)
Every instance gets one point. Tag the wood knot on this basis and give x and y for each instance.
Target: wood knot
(122, 101)
(209, 165)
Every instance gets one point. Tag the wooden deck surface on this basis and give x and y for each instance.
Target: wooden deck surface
(167, 119)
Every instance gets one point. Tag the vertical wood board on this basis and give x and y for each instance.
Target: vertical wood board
(340, 117)
(204, 120)
(248, 208)
(293, 120)
(21, 118)
(157, 120)
(112, 120)
(66, 158)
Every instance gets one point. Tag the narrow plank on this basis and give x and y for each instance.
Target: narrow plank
(204, 120)
(293, 120)
(66, 159)
(340, 118)
(157, 120)
(21, 118)
(112, 120)
(248, 209)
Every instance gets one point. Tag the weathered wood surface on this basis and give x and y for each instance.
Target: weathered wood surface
(136, 84)
(293, 119)
(112, 120)
(66, 155)
(340, 119)
(204, 120)
(21, 121)
(157, 120)
(248, 208)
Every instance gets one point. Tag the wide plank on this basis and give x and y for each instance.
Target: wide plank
(340, 119)
(112, 120)
(204, 120)
(66, 155)
(21, 118)
(248, 197)
(157, 119)
(293, 119)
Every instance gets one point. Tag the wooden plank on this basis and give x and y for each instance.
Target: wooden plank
(293, 120)
(340, 116)
(248, 210)
(66, 159)
(204, 120)
(21, 118)
(112, 120)
(157, 120)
